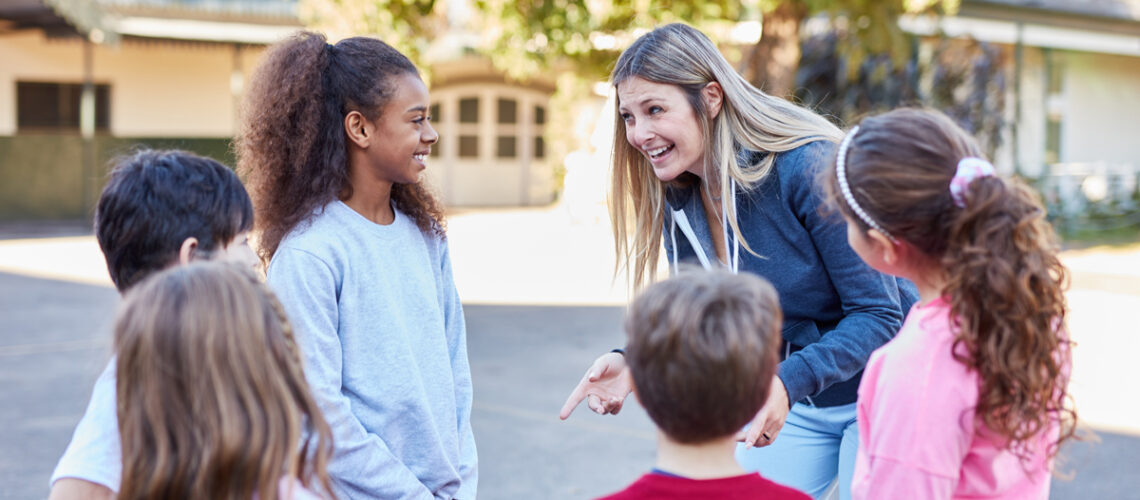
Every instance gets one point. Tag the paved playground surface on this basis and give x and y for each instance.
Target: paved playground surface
(540, 305)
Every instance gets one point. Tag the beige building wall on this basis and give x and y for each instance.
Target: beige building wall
(488, 180)
(1097, 101)
(157, 89)
(1102, 101)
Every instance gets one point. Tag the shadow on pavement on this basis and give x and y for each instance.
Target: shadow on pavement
(54, 341)
(1102, 467)
(18, 230)
(525, 360)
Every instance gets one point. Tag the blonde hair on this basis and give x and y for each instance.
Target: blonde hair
(212, 400)
(678, 54)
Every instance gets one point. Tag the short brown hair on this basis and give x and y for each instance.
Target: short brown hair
(703, 347)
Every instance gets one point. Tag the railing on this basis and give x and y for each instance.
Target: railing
(1092, 198)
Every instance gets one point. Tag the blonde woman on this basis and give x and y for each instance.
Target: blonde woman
(212, 401)
(723, 174)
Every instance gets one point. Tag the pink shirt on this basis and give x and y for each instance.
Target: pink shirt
(918, 436)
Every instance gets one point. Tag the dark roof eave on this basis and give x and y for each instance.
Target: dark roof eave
(87, 17)
(1056, 12)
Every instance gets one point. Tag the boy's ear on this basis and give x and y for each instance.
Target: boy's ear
(888, 250)
(713, 95)
(186, 251)
(358, 129)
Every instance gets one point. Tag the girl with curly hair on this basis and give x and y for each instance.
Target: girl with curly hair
(969, 400)
(332, 143)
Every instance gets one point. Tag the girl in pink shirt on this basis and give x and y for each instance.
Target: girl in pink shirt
(968, 401)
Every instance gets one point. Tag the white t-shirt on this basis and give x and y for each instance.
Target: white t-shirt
(94, 453)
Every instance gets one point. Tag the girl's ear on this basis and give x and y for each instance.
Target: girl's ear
(186, 251)
(889, 251)
(358, 129)
(713, 94)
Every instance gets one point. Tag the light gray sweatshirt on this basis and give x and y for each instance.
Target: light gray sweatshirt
(380, 326)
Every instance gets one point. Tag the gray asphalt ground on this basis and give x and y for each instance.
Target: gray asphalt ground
(539, 307)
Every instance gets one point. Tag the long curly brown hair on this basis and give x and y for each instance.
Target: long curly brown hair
(1005, 283)
(291, 146)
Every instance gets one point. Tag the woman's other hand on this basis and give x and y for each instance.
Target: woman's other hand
(606, 385)
(768, 422)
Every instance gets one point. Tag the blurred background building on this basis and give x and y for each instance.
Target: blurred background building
(519, 92)
(82, 81)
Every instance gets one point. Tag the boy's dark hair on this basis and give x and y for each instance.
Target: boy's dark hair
(703, 347)
(156, 199)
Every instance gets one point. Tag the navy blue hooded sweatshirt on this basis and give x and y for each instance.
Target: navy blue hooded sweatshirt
(837, 309)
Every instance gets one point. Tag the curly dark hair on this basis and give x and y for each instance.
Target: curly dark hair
(1005, 282)
(291, 146)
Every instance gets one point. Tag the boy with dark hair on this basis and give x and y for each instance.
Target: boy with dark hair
(158, 209)
(158, 205)
(702, 350)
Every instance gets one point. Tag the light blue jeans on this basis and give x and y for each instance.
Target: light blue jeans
(814, 446)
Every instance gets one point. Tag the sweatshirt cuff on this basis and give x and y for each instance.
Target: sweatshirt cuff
(797, 378)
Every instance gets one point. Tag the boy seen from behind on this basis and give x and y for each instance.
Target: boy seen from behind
(159, 209)
(702, 350)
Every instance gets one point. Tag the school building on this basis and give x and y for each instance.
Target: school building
(82, 81)
(1073, 73)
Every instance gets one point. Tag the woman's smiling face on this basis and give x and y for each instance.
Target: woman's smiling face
(662, 124)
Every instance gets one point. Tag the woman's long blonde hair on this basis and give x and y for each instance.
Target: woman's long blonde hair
(678, 54)
(212, 401)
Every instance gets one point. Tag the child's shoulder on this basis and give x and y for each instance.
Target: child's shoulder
(319, 230)
(743, 487)
(766, 488)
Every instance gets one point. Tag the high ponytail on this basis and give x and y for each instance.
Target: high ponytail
(1006, 290)
(292, 157)
(1005, 282)
(291, 145)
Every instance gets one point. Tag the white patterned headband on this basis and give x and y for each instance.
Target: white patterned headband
(841, 174)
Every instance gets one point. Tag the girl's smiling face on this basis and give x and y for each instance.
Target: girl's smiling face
(662, 124)
(404, 134)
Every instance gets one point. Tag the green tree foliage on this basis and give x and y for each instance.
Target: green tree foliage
(531, 36)
(407, 25)
(963, 78)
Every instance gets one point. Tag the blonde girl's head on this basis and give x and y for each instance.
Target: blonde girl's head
(987, 238)
(680, 55)
(212, 401)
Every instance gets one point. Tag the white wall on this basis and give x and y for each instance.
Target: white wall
(1102, 102)
(158, 89)
(1031, 124)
